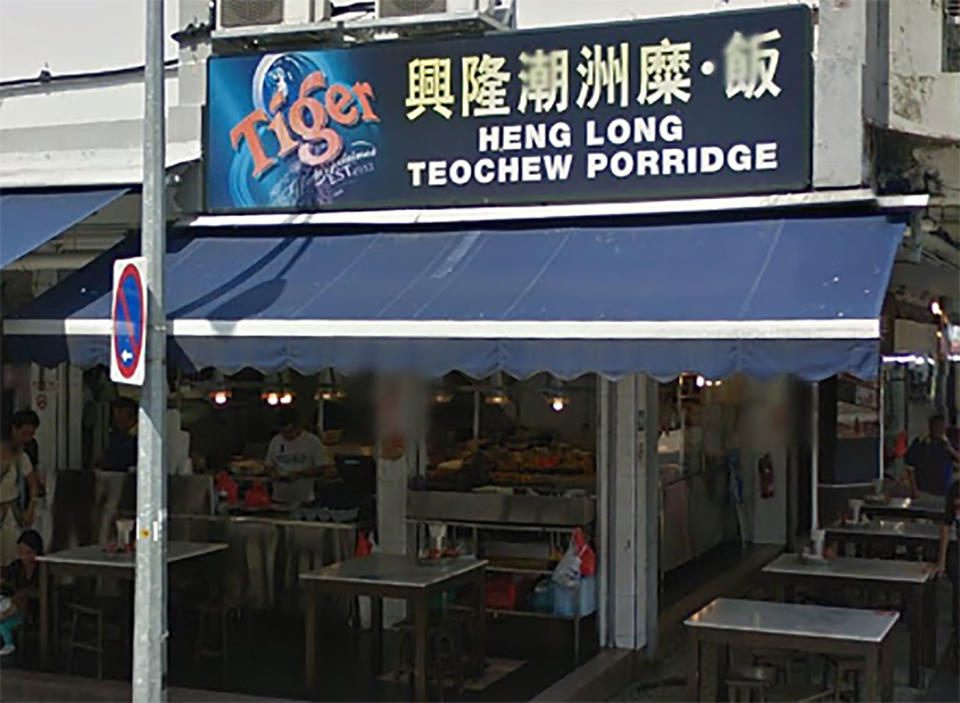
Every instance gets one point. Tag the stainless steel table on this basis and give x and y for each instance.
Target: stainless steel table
(911, 579)
(380, 576)
(93, 560)
(903, 508)
(752, 624)
(887, 533)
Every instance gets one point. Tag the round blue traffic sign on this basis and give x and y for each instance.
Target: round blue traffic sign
(128, 313)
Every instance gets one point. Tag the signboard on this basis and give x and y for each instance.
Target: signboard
(699, 105)
(129, 321)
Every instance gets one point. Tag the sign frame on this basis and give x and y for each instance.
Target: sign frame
(128, 321)
(392, 169)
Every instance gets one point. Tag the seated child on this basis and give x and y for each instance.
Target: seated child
(16, 583)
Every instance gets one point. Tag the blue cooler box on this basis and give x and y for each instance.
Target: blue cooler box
(566, 603)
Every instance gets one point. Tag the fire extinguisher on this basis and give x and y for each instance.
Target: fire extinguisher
(765, 474)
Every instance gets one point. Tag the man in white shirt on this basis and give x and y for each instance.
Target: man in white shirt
(294, 452)
(16, 511)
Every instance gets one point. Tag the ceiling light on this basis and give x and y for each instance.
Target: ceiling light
(330, 393)
(220, 396)
(442, 396)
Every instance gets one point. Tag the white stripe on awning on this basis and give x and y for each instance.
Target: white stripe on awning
(479, 329)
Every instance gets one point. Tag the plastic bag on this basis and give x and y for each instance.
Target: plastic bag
(567, 572)
(365, 546)
(588, 558)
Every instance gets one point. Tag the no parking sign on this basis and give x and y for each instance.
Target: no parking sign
(129, 321)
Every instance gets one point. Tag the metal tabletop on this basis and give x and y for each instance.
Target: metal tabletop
(890, 528)
(892, 570)
(94, 555)
(394, 570)
(794, 620)
(907, 508)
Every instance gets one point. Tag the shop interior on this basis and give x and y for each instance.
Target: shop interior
(504, 468)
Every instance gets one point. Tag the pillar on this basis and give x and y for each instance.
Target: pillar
(628, 513)
(401, 413)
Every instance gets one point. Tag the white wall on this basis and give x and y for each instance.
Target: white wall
(547, 13)
(85, 131)
(72, 36)
(922, 99)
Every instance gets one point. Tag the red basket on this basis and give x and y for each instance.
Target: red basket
(501, 592)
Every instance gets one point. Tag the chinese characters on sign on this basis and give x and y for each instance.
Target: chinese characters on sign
(750, 68)
(657, 108)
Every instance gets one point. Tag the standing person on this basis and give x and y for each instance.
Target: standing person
(294, 452)
(18, 582)
(947, 559)
(23, 429)
(121, 451)
(930, 460)
(17, 505)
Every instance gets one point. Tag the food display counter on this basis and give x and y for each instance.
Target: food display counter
(516, 501)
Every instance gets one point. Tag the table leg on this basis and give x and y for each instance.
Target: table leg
(693, 668)
(480, 607)
(887, 665)
(44, 577)
(723, 671)
(915, 622)
(871, 674)
(310, 640)
(930, 623)
(421, 622)
(376, 629)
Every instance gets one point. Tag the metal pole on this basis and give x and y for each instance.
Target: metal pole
(476, 414)
(881, 418)
(815, 460)
(150, 613)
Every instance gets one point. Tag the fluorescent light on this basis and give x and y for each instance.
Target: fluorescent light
(914, 359)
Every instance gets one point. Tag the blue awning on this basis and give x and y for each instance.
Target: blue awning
(764, 297)
(29, 219)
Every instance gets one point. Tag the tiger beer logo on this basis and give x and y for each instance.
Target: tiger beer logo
(305, 127)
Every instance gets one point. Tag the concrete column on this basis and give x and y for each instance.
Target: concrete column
(400, 432)
(839, 136)
(74, 417)
(629, 513)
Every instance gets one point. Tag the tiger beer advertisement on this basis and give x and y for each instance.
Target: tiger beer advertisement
(700, 105)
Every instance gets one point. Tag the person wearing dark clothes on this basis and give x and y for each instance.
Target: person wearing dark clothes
(121, 451)
(947, 556)
(18, 582)
(931, 459)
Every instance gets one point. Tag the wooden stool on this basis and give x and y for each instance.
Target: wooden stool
(83, 615)
(847, 676)
(750, 683)
(215, 620)
(444, 654)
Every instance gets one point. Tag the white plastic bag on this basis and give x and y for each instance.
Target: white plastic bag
(567, 573)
